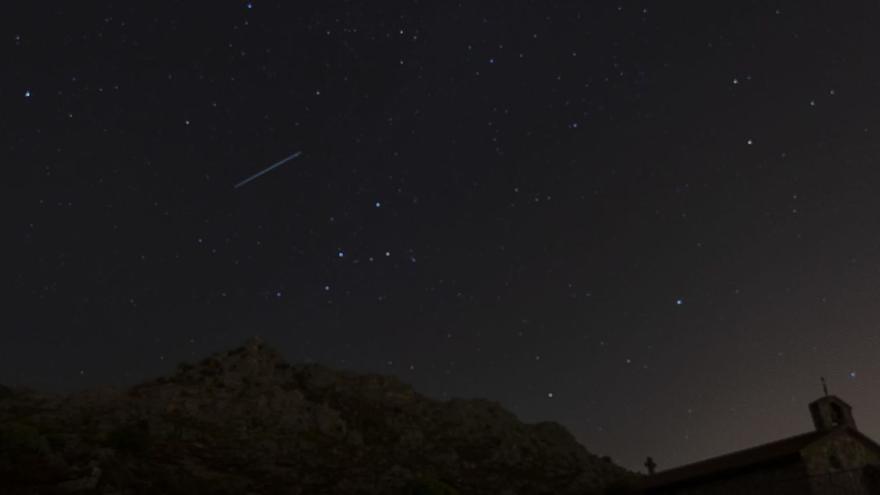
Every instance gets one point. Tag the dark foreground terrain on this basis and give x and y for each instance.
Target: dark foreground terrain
(245, 422)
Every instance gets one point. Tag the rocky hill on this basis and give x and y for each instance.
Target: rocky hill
(246, 422)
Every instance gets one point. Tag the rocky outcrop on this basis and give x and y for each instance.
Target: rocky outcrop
(246, 422)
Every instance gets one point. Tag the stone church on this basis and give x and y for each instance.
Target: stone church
(834, 459)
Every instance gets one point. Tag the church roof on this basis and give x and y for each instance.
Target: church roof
(740, 460)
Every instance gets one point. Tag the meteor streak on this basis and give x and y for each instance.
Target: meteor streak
(268, 169)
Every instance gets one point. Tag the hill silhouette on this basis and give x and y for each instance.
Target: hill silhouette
(247, 422)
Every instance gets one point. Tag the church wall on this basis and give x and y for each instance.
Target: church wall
(835, 464)
(850, 453)
(785, 479)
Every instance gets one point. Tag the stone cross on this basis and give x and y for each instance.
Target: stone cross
(650, 464)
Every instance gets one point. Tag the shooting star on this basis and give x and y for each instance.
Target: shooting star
(268, 169)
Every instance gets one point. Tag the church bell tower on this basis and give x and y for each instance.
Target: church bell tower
(831, 412)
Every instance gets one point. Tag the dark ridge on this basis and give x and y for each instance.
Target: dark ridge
(246, 422)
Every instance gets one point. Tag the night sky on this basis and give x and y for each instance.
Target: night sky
(657, 223)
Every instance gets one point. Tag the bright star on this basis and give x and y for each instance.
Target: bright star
(679, 302)
(27, 94)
